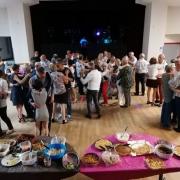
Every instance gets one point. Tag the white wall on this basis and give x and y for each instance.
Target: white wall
(172, 38)
(4, 26)
(173, 20)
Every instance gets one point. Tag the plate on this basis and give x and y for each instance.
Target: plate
(103, 144)
(154, 162)
(123, 150)
(90, 159)
(177, 150)
(10, 160)
(141, 148)
(11, 142)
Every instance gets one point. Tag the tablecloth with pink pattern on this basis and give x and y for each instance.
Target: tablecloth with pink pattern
(129, 167)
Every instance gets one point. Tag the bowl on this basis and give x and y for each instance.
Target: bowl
(29, 158)
(4, 149)
(164, 151)
(55, 151)
(110, 158)
(25, 146)
(70, 161)
(122, 137)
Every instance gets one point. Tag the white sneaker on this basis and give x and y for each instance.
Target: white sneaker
(10, 131)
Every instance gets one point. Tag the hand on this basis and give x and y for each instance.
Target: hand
(36, 106)
(67, 72)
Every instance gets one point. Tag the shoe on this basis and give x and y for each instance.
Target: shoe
(148, 102)
(64, 121)
(177, 129)
(69, 118)
(142, 94)
(2, 134)
(21, 120)
(10, 131)
(88, 116)
(157, 101)
(125, 106)
(167, 127)
(136, 94)
(53, 120)
(99, 116)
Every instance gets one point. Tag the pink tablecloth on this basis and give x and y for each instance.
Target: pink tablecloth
(129, 167)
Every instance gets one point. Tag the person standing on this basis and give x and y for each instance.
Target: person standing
(45, 63)
(47, 82)
(126, 81)
(3, 105)
(140, 73)
(34, 59)
(93, 79)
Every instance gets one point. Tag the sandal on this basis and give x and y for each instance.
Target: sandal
(21, 120)
(64, 121)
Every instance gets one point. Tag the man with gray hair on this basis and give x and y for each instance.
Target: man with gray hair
(126, 80)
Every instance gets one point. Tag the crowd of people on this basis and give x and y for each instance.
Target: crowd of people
(47, 88)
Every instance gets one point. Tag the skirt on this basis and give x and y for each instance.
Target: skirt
(152, 83)
(61, 98)
(17, 95)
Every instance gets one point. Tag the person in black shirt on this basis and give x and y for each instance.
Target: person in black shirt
(35, 59)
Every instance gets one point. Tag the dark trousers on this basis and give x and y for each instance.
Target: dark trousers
(50, 108)
(92, 95)
(69, 106)
(127, 96)
(177, 103)
(140, 78)
(80, 86)
(174, 114)
(27, 106)
(4, 117)
(166, 114)
(159, 93)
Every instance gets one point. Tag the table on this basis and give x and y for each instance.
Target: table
(129, 167)
(38, 172)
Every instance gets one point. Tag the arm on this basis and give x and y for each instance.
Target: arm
(4, 92)
(86, 79)
(21, 81)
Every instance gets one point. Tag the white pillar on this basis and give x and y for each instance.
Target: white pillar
(154, 28)
(20, 31)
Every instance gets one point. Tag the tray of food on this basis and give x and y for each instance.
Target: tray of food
(123, 150)
(103, 144)
(25, 137)
(141, 147)
(10, 160)
(177, 150)
(154, 162)
(90, 159)
(11, 142)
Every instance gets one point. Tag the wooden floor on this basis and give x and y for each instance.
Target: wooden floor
(81, 132)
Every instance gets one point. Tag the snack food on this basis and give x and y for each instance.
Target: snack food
(141, 150)
(154, 162)
(123, 150)
(90, 159)
(164, 151)
(38, 146)
(177, 151)
(110, 158)
(103, 144)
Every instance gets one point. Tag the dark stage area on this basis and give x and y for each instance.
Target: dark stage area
(116, 26)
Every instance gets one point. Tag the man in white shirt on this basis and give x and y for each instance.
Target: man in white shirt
(132, 59)
(45, 63)
(93, 79)
(140, 75)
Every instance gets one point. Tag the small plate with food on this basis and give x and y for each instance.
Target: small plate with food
(103, 144)
(11, 142)
(122, 137)
(123, 150)
(110, 158)
(90, 159)
(177, 150)
(164, 151)
(141, 147)
(10, 160)
(154, 162)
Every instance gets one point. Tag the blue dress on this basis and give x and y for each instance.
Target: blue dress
(16, 92)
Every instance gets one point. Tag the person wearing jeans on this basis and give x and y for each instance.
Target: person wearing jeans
(93, 79)
(3, 105)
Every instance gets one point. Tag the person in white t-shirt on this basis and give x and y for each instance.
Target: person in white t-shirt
(161, 70)
(152, 80)
(93, 79)
(140, 73)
